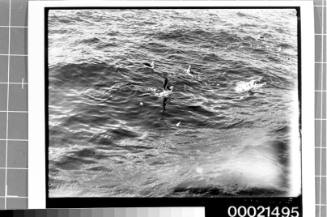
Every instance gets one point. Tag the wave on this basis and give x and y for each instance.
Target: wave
(82, 73)
(216, 191)
(89, 41)
(285, 46)
(72, 163)
(184, 35)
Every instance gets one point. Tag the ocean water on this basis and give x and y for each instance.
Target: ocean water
(227, 129)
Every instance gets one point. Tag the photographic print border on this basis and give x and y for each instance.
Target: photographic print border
(84, 202)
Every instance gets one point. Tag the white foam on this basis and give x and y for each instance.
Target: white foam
(243, 86)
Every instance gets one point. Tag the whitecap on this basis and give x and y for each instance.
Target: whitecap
(244, 86)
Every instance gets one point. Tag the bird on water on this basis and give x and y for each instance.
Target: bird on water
(149, 65)
(167, 91)
(189, 71)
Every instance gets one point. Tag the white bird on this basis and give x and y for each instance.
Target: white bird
(179, 123)
(188, 71)
(150, 65)
(165, 93)
(199, 170)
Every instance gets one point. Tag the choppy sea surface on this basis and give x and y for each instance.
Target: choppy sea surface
(227, 129)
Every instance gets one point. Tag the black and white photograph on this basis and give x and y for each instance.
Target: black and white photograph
(173, 102)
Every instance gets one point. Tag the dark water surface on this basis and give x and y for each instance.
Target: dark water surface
(108, 134)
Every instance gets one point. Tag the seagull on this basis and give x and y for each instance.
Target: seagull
(189, 69)
(189, 72)
(150, 65)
